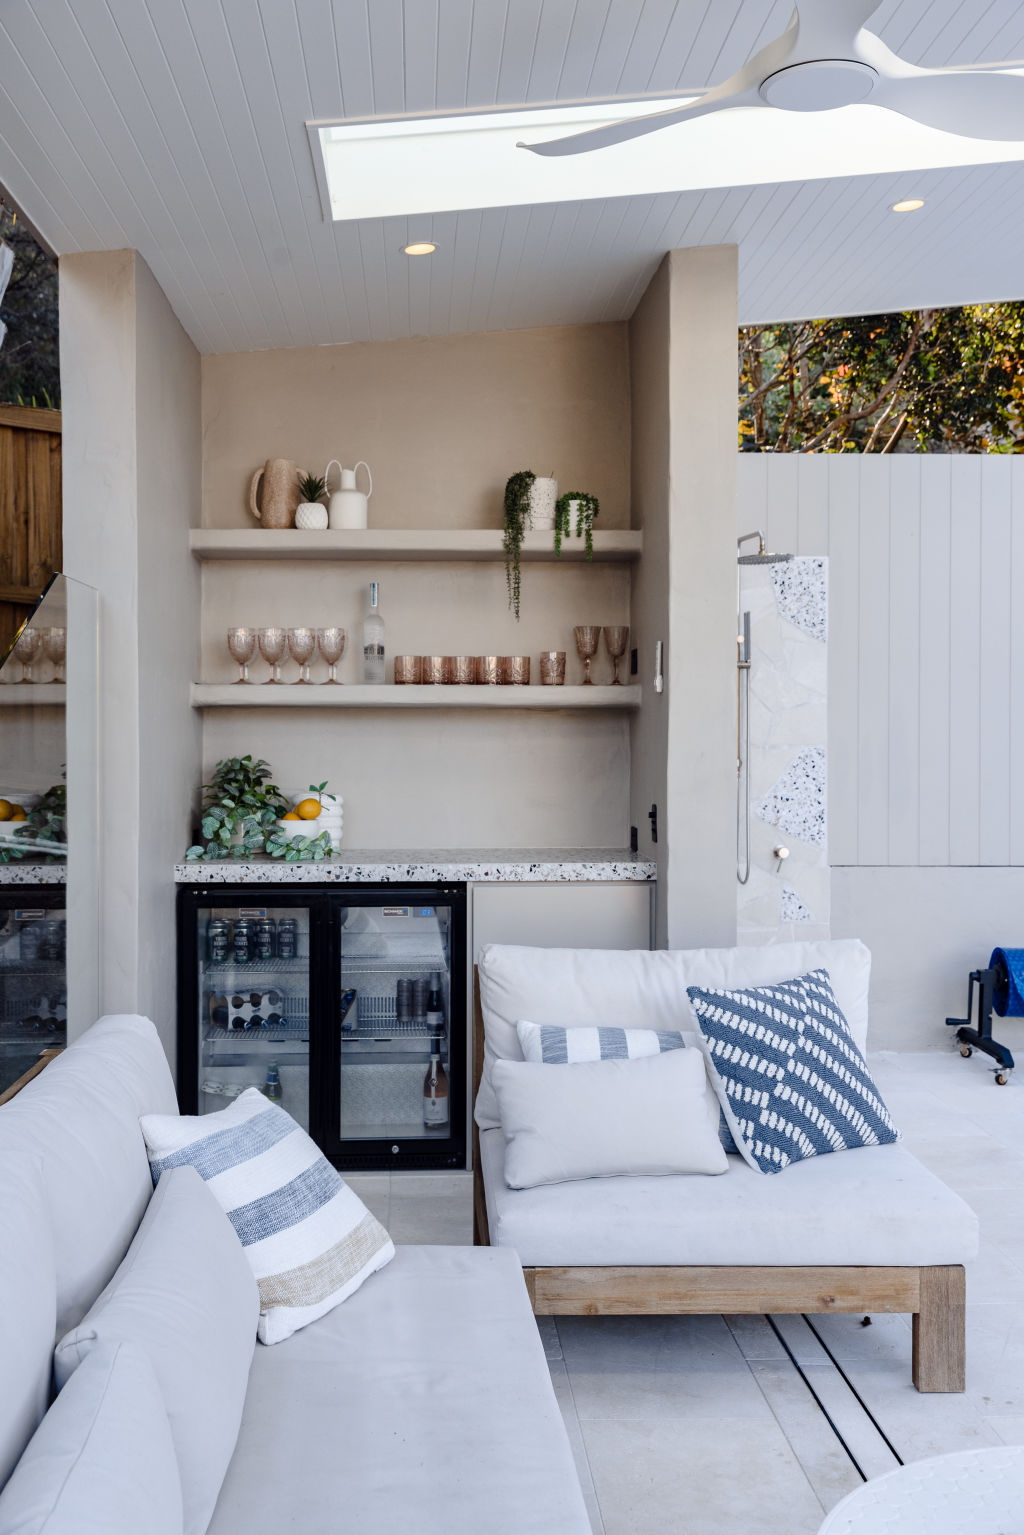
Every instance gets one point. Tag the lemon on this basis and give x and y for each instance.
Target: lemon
(307, 809)
(19, 815)
(291, 816)
(5, 809)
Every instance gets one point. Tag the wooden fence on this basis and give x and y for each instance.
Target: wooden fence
(30, 511)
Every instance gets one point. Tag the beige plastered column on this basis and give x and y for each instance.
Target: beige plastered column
(683, 380)
(132, 469)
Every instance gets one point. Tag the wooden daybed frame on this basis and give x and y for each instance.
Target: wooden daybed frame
(934, 1295)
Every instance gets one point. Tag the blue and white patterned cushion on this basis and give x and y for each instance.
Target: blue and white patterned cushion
(309, 1239)
(790, 1077)
(550, 1045)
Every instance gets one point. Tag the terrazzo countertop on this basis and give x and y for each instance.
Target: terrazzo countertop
(33, 873)
(388, 866)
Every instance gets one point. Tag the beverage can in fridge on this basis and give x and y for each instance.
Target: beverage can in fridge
(218, 940)
(265, 936)
(243, 941)
(287, 938)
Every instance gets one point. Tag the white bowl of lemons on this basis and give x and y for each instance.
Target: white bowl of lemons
(310, 816)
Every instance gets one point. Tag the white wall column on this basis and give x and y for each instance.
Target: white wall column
(132, 481)
(683, 363)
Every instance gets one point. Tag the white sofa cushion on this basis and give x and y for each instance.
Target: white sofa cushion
(102, 1459)
(600, 1119)
(81, 1116)
(310, 1241)
(636, 988)
(28, 1315)
(878, 1207)
(185, 1295)
(424, 1403)
(790, 1079)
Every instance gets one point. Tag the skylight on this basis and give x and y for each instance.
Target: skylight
(380, 169)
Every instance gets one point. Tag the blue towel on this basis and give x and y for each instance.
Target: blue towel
(1008, 996)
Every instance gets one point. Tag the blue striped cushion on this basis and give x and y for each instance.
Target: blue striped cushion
(550, 1045)
(790, 1077)
(309, 1239)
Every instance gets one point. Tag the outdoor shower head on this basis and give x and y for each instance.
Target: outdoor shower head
(762, 557)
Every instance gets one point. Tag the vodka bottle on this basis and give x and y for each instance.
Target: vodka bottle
(435, 1091)
(374, 666)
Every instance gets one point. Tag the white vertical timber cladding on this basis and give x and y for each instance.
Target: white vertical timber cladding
(926, 646)
(904, 658)
(700, 811)
(935, 723)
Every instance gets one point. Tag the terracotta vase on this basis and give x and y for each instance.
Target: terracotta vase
(276, 507)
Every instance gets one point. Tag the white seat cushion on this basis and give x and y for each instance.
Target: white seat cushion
(635, 988)
(28, 1284)
(880, 1206)
(423, 1403)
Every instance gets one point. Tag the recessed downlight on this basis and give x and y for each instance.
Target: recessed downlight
(908, 205)
(420, 248)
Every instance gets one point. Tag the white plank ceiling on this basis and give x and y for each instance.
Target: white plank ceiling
(177, 127)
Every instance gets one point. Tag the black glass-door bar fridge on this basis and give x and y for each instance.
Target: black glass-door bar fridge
(345, 1003)
(33, 976)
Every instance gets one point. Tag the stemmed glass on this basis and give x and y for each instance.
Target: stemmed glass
(616, 637)
(332, 648)
(587, 637)
(272, 646)
(302, 643)
(26, 648)
(242, 645)
(55, 649)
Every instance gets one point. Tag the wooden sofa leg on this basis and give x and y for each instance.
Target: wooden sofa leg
(939, 1348)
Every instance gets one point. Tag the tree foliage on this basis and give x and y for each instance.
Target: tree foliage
(920, 381)
(29, 356)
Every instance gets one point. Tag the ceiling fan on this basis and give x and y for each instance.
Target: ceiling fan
(826, 58)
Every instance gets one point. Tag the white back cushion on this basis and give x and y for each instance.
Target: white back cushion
(81, 1117)
(28, 1285)
(185, 1295)
(637, 988)
(102, 1460)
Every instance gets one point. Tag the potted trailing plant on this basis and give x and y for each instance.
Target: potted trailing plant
(575, 512)
(240, 805)
(311, 514)
(517, 521)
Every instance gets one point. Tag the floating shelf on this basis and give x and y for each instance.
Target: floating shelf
(400, 544)
(220, 695)
(22, 693)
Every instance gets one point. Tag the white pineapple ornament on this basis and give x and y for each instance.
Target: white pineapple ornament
(311, 514)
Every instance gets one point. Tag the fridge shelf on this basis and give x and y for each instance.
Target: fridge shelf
(287, 1032)
(224, 970)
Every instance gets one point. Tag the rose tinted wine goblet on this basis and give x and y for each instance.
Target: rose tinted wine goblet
(332, 648)
(616, 638)
(26, 648)
(272, 644)
(55, 649)
(242, 647)
(587, 637)
(302, 644)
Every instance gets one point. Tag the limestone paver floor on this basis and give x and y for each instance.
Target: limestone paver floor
(704, 1425)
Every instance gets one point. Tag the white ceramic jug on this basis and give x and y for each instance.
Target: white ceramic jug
(346, 507)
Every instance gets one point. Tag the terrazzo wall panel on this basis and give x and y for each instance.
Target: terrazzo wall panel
(786, 757)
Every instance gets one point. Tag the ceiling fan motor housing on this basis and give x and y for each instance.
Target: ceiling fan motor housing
(818, 85)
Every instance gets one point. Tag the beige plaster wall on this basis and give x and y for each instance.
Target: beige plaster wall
(442, 421)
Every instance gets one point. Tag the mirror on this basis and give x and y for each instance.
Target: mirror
(47, 756)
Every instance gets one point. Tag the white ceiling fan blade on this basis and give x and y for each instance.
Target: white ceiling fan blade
(634, 127)
(828, 27)
(973, 104)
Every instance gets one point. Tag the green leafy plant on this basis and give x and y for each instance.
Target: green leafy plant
(517, 521)
(312, 487)
(44, 832)
(239, 803)
(587, 508)
(292, 849)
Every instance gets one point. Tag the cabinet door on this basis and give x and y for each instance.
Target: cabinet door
(33, 983)
(253, 978)
(549, 916)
